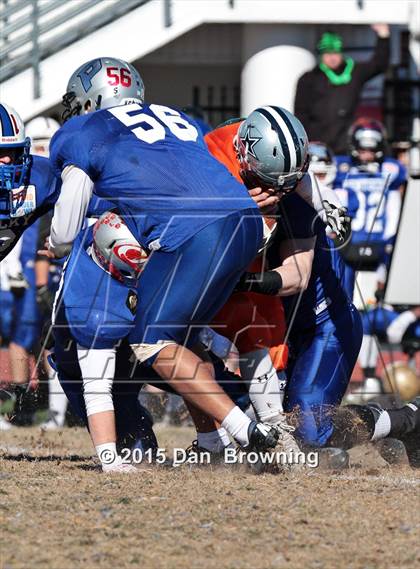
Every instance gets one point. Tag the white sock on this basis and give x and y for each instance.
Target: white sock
(368, 355)
(107, 453)
(236, 423)
(215, 441)
(264, 387)
(57, 399)
(382, 426)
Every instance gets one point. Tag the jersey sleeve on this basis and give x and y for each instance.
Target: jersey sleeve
(298, 220)
(72, 145)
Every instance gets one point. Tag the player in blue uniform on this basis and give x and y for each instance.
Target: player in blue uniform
(153, 165)
(325, 330)
(28, 187)
(93, 317)
(369, 185)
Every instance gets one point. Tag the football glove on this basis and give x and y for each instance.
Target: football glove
(337, 220)
(44, 299)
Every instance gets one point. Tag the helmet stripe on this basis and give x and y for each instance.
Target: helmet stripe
(286, 130)
(6, 123)
(293, 133)
(280, 134)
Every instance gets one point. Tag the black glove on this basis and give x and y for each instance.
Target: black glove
(44, 299)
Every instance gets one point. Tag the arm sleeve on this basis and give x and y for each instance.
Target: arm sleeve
(98, 369)
(70, 209)
(397, 328)
(392, 216)
(378, 63)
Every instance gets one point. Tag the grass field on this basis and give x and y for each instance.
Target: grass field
(59, 512)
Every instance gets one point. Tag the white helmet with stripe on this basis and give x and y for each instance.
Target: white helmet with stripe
(41, 130)
(13, 141)
(272, 148)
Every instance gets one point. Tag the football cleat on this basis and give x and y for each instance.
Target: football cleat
(262, 437)
(391, 450)
(199, 455)
(287, 442)
(411, 440)
(54, 422)
(5, 425)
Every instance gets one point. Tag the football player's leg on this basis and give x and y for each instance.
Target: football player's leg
(25, 331)
(320, 375)
(182, 291)
(133, 425)
(349, 280)
(375, 323)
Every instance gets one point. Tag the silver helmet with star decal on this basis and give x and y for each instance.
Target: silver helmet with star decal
(272, 148)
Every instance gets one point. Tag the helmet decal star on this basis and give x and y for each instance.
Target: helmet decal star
(251, 142)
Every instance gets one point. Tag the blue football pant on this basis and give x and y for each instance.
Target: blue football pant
(321, 363)
(26, 327)
(181, 291)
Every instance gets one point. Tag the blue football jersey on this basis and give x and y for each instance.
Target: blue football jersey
(21, 207)
(325, 292)
(152, 163)
(373, 199)
(99, 310)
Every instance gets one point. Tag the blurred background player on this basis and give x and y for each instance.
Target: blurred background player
(322, 162)
(370, 185)
(28, 189)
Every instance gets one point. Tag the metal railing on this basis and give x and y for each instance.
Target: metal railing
(31, 30)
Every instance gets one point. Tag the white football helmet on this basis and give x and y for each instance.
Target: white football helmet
(41, 130)
(116, 250)
(102, 83)
(272, 148)
(321, 162)
(13, 140)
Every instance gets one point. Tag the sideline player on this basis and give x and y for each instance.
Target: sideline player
(152, 164)
(28, 188)
(370, 184)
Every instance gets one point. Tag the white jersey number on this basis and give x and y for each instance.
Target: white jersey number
(150, 129)
(370, 213)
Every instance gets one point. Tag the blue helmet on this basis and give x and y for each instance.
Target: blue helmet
(12, 137)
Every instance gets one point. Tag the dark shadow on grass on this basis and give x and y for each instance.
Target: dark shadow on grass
(22, 457)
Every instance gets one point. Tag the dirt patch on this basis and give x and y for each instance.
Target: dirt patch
(60, 512)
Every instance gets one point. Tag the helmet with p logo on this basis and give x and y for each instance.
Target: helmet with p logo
(102, 83)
